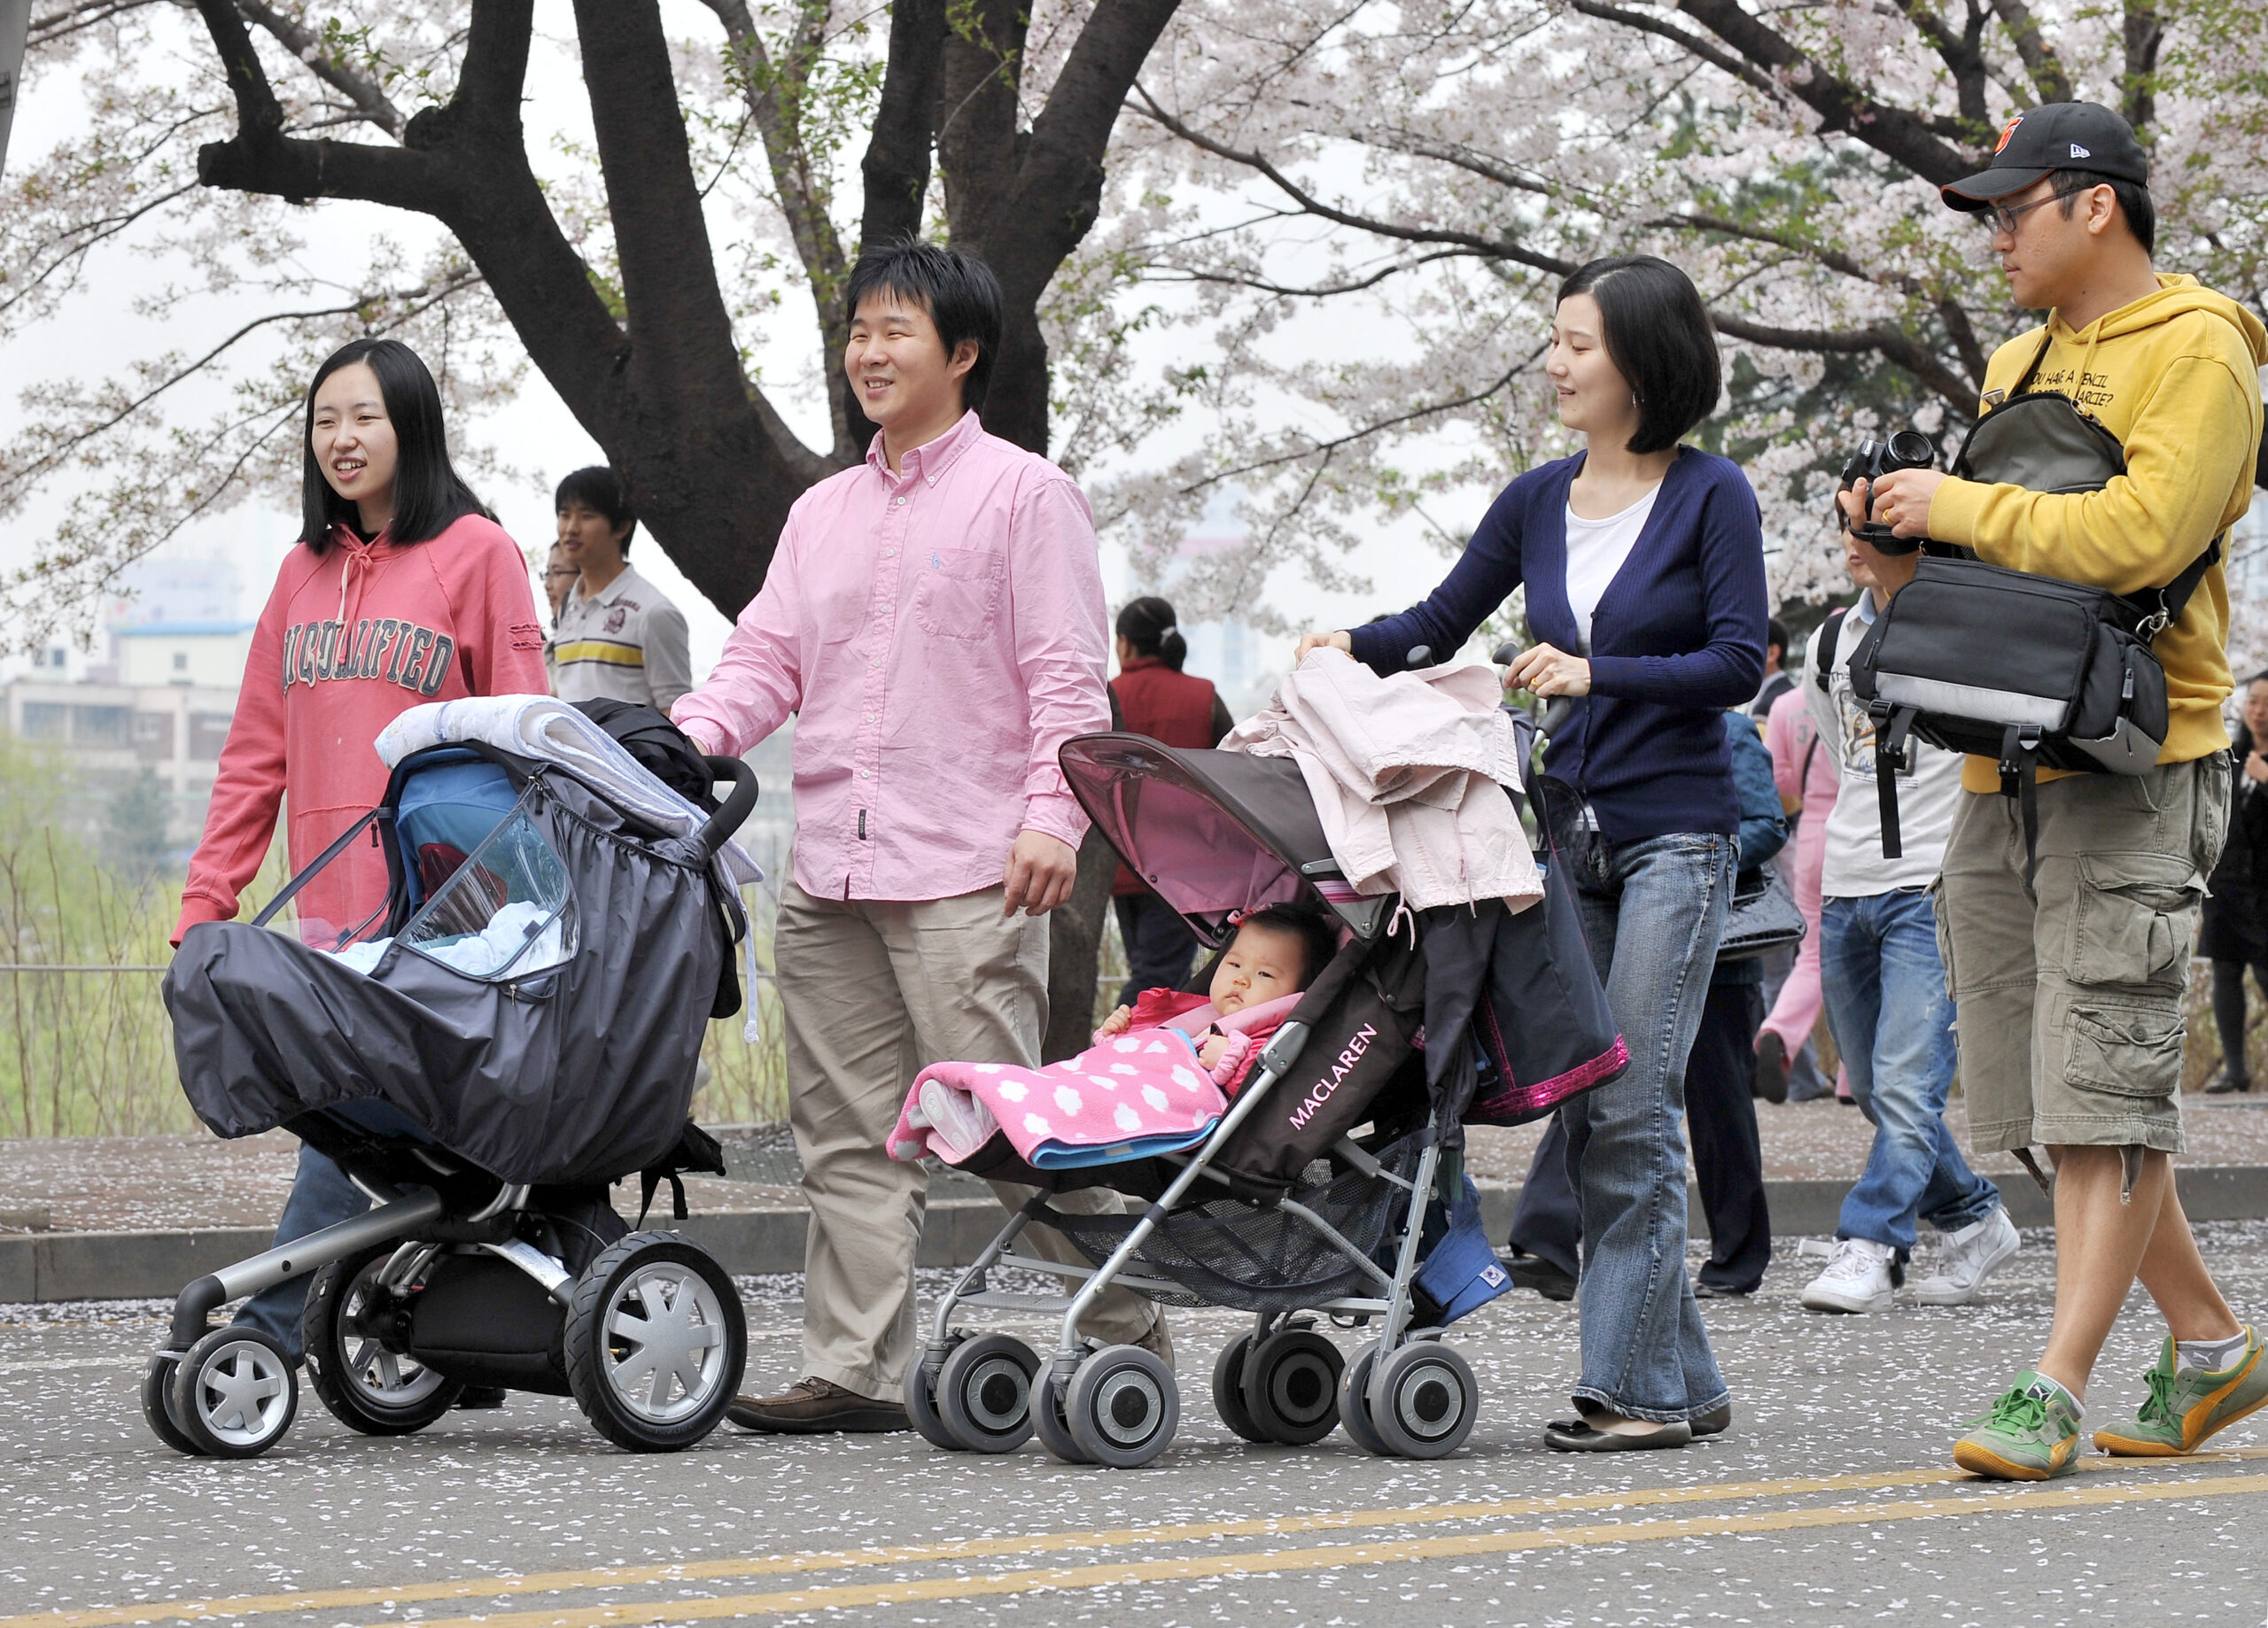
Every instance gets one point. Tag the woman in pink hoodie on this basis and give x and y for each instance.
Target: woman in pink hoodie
(401, 591)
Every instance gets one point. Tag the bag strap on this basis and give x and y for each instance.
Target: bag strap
(1830, 637)
(2024, 380)
(2020, 779)
(1892, 727)
(2173, 598)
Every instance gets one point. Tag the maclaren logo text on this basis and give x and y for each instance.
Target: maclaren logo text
(1342, 1065)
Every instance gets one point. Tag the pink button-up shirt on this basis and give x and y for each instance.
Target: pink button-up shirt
(939, 633)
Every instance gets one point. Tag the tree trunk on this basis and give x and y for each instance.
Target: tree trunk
(1075, 952)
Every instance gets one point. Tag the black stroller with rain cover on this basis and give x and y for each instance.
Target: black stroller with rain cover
(518, 1028)
(1332, 1181)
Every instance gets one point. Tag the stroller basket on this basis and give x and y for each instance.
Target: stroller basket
(1226, 1252)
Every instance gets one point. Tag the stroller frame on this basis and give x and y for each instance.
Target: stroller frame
(1405, 1394)
(647, 1324)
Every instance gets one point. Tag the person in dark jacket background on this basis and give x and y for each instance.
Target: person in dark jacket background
(1154, 697)
(1720, 1107)
(1721, 1071)
(2235, 933)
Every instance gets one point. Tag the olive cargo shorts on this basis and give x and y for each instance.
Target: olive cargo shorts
(2069, 999)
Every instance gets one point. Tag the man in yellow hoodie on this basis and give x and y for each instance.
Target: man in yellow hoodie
(2069, 991)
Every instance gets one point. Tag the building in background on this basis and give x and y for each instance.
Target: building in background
(150, 708)
(1224, 649)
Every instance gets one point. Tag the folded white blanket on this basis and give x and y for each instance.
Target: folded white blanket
(482, 954)
(542, 727)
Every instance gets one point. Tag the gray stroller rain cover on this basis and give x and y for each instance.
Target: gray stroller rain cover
(537, 1003)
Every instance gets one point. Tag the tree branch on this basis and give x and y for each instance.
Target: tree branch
(1496, 248)
(896, 164)
(1645, 22)
(1894, 132)
(1889, 343)
(775, 97)
(2038, 58)
(303, 43)
(2145, 31)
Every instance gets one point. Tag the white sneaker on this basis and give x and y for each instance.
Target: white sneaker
(1966, 1257)
(1857, 1279)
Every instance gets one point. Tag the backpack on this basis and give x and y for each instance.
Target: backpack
(2032, 670)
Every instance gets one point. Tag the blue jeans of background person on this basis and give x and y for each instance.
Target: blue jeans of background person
(1893, 1021)
(1160, 947)
(1653, 928)
(320, 1196)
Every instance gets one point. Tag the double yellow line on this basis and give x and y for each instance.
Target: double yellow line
(1976, 1498)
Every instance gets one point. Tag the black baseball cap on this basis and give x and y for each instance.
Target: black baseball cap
(2042, 140)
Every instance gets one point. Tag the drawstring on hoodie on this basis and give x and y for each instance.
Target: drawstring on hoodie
(355, 564)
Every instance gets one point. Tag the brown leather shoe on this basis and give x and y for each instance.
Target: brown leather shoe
(1158, 1343)
(816, 1407)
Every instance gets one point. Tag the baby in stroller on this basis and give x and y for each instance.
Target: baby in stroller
(1276, 955)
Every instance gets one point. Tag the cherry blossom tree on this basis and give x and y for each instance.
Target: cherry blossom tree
(1426, 176)
(640, 262)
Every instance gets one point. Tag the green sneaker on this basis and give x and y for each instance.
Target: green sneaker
(2032, 1434)
(2187, 1405)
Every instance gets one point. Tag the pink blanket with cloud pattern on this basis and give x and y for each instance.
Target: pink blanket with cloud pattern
(1131, 1096)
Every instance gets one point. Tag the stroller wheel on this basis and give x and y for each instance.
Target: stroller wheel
(1422, 1399)
(984, 1393)
(656, 1343)
(1122, 1407)
(365, 1385)
(233, 1394)
(157, 1403)
(1051, 1421)
(1228, 1390)
(1355, 1401)
(921, 1399)
(1290, 1386)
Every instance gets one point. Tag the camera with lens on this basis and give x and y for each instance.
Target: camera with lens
(1905, 449)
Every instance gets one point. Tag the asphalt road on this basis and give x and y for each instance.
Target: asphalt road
(1833, 1500)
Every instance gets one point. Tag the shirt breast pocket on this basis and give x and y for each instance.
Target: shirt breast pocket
(956, 592)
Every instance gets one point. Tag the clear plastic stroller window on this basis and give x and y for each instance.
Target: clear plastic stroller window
(508, 910)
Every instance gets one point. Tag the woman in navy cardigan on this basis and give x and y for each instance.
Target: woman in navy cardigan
(1644, 561)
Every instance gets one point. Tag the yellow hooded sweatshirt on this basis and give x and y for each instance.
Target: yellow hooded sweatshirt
(2176, 376)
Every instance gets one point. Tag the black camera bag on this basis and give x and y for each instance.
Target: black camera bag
(2032, 670)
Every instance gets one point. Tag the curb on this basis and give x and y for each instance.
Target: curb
(138, 1266)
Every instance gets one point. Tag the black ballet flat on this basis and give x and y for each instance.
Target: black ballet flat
(1577, 1435)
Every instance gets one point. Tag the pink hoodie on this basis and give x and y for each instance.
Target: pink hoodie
(349, 641)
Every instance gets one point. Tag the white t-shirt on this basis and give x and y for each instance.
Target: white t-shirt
(1927, 794)
(1596, 551)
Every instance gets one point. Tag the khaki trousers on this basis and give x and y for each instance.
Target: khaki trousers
(872, 991)
(2068, 994)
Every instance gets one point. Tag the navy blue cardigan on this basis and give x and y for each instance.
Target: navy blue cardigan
(1677, 638)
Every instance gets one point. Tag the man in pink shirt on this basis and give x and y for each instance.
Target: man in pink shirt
(935, 619)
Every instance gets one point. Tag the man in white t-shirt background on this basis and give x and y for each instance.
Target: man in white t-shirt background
(614, 637)
(1884, 984)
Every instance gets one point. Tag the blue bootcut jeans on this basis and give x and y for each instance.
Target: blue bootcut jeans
(1653, 930)
(1893, 1021)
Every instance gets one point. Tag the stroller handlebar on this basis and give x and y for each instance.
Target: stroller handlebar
(737, 808)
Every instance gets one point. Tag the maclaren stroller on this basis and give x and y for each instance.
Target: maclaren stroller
(1333, 1183)
(518, 1028)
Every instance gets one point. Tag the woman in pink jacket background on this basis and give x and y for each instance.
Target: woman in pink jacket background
(1804, 770)
(402, 589)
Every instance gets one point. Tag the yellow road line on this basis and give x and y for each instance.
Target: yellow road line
(1337, 1556)
(1023, 1545)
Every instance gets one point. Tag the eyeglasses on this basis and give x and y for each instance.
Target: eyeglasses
(2002, 219)
(561, 570)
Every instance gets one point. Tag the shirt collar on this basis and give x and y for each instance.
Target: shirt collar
(931, 459)
(609, 593)
(1866, 610)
